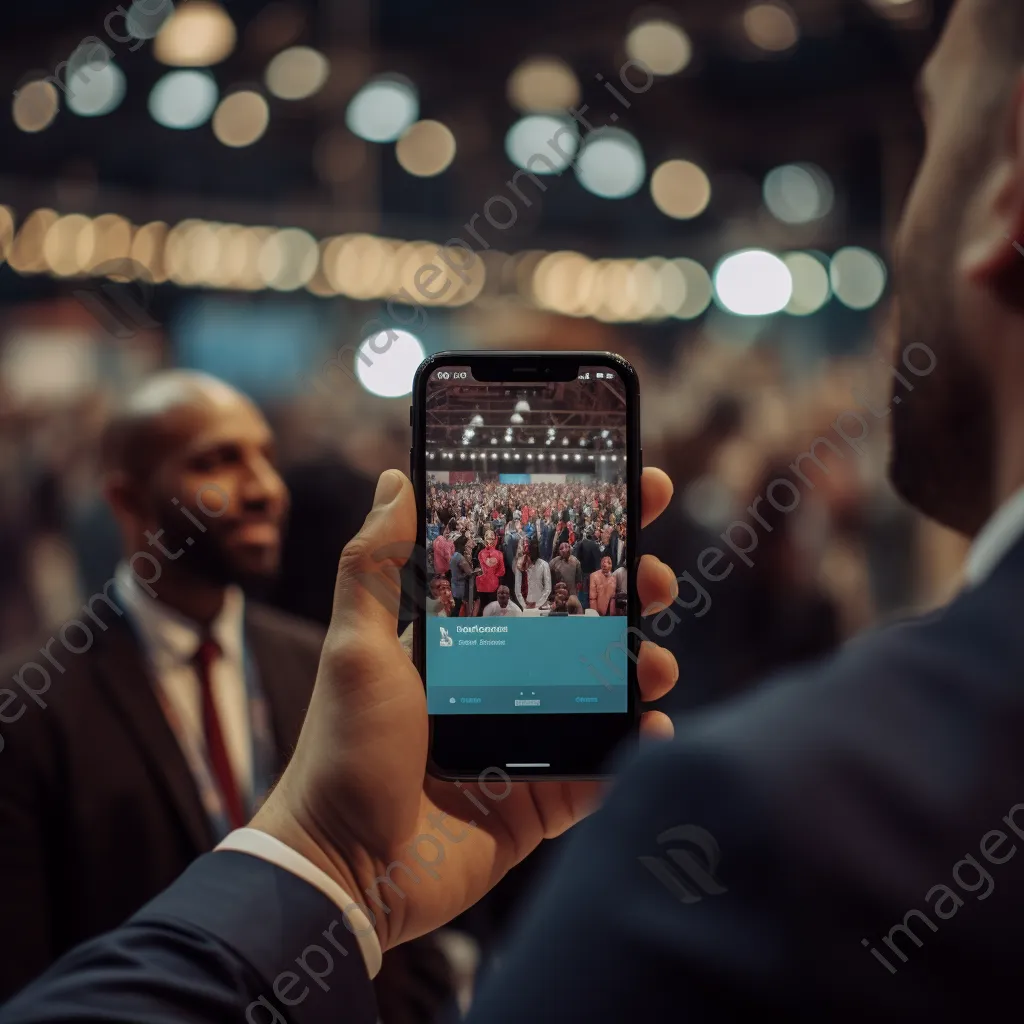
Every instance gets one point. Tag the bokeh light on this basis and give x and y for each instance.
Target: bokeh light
(144, 20)
(35, 106)
(542, 143)
(241, 119)
(661, 46)
(386, 363)
(382, 109)
(753, 283)
(297, 73)
(543, 85)
(198, 34)
(183, 99)
(94, 91)
(798, 193)
(811, 286)
(426, 149)
(858, 277)
(611, 164)
(680, 189)
(771, 27)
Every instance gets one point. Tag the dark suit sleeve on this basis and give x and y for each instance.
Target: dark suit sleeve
(619, 926)
(28, 809)
(234, 939)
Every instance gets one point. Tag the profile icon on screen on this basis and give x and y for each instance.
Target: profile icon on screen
(446, 640)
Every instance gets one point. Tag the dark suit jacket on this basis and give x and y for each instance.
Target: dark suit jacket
(99, 811)
(98, 808)
(589, 553)
(841, 845)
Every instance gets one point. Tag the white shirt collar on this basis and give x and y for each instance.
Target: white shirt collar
(171, 638)
(996, 538)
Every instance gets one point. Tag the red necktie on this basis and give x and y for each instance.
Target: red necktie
(216, 750)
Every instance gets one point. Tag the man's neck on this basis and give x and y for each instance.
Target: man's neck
(195, 599)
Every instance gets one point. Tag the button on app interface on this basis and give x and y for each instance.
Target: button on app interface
(526, 545)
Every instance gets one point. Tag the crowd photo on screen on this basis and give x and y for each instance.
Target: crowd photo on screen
(551, 541)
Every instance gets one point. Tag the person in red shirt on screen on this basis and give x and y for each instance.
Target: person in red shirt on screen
(492, 561)
(444, 548)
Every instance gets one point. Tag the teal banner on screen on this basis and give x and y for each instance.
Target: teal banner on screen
(527, 665)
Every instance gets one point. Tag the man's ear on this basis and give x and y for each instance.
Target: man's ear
(994, 256)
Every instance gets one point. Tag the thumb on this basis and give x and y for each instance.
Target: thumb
(368, 593)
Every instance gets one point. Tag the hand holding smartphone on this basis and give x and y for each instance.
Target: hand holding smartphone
(534, 450)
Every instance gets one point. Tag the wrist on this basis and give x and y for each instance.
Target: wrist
(345, 870)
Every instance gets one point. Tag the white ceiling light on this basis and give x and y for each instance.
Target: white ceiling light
(297, 73)
(611, 164)
(199, 33)
(183, 99)
(388, 369)
(383, 109)
(753, 283)
(94, 91)
(542, 143)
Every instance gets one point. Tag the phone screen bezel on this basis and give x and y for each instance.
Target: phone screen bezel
(465, 746)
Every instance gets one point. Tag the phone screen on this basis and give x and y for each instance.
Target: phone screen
(526, 545)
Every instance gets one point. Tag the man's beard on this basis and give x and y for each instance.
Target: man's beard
(206, 559)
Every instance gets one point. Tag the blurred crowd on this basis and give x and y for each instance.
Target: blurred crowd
(521, 540)
(724, 423)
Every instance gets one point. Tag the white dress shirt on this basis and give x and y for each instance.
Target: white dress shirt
(511, 609)
(170, 642)
(538, 584)
(996, 538)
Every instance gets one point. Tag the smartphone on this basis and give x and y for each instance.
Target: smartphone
(527, 468)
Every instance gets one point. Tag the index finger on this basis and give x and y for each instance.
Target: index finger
(655, 493)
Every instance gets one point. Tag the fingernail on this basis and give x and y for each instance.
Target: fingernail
(674, 585)
(389, 486)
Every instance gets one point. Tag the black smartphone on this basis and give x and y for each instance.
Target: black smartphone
(527, 468)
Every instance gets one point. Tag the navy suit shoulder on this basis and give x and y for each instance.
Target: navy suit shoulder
(235, 938)
(816, 847)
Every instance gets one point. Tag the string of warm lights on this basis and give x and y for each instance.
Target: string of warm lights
(207, 254)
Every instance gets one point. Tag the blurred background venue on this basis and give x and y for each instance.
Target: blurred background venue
(259, 189)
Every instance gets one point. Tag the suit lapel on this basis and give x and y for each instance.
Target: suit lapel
(125, 679)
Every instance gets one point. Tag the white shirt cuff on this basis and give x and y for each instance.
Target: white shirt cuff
(266, 847)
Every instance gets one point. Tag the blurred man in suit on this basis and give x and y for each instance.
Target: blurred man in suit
(157, 722)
